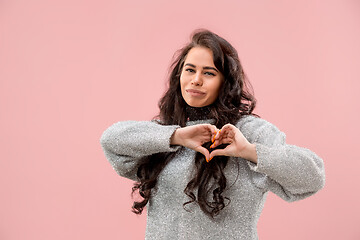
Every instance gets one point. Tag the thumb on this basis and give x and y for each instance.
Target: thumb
(217, 152)
(203, 151)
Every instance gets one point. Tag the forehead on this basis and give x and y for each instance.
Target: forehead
(200, 56)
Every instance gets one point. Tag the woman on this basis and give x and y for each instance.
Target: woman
(206, 164)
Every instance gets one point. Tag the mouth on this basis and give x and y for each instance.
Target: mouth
(195, 92)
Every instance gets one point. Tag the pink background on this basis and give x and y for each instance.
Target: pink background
(69, 69)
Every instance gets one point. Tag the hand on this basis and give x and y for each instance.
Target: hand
(194, 137)
(238, 146)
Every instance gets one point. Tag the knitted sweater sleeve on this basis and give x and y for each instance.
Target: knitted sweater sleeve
(126, 143)
(289, 171)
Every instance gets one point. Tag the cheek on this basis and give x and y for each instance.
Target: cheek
(216, 88)
(181, 82)
(184, 81)
(182, 77)
(182, 85)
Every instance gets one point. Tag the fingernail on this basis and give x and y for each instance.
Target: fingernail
(206, 160)
(210, 159)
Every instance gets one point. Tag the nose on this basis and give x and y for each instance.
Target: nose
(197, 80)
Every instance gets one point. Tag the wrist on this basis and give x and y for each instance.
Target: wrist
(249, 153)
(175, 138)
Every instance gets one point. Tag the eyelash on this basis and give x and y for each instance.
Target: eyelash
(192, 70)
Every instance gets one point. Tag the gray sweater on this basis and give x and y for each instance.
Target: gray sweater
(291, 172)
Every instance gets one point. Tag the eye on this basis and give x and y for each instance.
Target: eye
(209, 73)
(189, 70)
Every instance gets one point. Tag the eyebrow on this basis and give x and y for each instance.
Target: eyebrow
(206, 67)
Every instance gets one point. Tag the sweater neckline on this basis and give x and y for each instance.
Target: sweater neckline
(197, 113)
(200, 121)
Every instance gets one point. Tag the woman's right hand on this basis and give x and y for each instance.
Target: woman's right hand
(194, 137)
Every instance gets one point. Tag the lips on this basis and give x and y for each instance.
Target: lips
(195, 92)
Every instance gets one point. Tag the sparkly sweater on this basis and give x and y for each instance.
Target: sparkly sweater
(289, 171)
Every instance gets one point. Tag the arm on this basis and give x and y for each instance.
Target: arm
(289, 171)
(126, 143)
(194, 137)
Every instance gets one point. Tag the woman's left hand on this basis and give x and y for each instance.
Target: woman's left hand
(238, 146)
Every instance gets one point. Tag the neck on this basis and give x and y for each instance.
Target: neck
(197, 113)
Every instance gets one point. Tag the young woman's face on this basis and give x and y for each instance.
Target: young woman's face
(200, 80)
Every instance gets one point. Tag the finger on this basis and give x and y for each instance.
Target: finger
(209, 130)
(204, 152)
(217, 152)
(224, 131)
(225, 138)
(210, 127)
(228, 131)
(225, 141)
(212, 130)
(228, 128)
(217, 136)
(219, 139)
(222, 141)
(215, 132)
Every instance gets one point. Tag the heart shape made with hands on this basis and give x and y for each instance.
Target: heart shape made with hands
(224, 141)
(227, 141)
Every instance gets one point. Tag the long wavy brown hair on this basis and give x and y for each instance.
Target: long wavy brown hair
(234, 101)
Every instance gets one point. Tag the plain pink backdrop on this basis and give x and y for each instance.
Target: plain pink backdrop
(69, 69)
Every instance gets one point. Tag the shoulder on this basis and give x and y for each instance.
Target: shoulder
(255, 128)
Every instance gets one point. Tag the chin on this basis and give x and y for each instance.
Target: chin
(196, 104)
